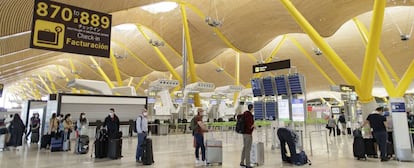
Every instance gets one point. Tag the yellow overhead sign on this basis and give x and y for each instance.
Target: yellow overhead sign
(65, 28)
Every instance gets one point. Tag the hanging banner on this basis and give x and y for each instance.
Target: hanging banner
(65, 28)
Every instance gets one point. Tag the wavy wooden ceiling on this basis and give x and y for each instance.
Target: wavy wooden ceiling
(251, 26)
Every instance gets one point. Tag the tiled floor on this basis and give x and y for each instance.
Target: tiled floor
(176, 151)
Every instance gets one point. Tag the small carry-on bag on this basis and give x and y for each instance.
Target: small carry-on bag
(147, 156)
(257, 154)
(2, 141)
(300, 159)
(45, 141)
(82, 145)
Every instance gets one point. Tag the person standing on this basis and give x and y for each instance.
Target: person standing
(17, 129)
(247, 136)
(378, 124)
(68, 127)
(199, 137)
(112, 124)
(82, 125)
(332, 125)
(142, 130)
(34, 127)
(53, 125)
(342, 122)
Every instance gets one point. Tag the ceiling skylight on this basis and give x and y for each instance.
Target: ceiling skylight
(127, 26)
(160, 7)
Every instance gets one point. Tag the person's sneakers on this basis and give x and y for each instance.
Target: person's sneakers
(197, 161)
(139, 161)
(385, 159)
(242, 165)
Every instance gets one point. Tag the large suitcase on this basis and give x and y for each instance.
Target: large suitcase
(82, 144)
(45, 141)
(2, 141)
(56, 143)
(390, 149)
(101, 148)
(359, 148)
(370, 150)
(34, 138)
(147, 156)
(214, 151)
(257, 154)
(114, 148)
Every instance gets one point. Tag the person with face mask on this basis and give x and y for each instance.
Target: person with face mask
(112, 124)
(34, 128)
(142, 130)
(82, 127)
(68, 127)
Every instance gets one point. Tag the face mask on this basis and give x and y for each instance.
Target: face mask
(83, 116)
(145, 114)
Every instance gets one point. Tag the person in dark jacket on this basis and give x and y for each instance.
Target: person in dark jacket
(247, 136)
(289, 137)
(17, 130)
(112, 124)
(378, 123)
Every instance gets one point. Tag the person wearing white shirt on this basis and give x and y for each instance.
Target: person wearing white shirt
(142, 130)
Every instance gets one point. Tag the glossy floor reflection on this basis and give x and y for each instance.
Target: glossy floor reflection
(177, 151)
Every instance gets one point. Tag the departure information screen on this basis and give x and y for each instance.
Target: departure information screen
(295, 84)
(257, 87)
(281, 85)
(268, 87)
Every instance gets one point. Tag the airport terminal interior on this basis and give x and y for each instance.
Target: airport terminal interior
(86, 83)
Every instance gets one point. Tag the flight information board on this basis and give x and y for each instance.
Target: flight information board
(258, 110)
(270, 110)
(281, 87)
(268, 86)
(257, 87)
(295, 84)
(283, 109)
(298, 110)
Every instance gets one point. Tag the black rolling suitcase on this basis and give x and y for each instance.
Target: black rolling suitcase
(359, 148)
(147, 154)
(101, 144)
(56, 142)
(45, 141)
(390, 149)
(370, 148)
(114, 148)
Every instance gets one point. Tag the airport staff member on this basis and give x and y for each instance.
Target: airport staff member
(378, 124)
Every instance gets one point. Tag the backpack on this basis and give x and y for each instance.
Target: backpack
(300, 159)
(135, 125)
(342, 119)
(193, 124)
(240, 124)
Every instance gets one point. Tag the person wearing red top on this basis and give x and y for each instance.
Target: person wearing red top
(199, 138)
(247, 136)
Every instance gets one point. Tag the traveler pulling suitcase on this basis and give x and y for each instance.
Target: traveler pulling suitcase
(147, 156)
(82, 144)
(214, 151)
(114, 148)
(257, 154)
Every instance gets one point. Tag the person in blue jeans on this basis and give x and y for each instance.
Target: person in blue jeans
(142, 130)
(378, 124)
(199, 137)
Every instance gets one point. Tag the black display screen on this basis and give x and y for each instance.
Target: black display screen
(257, 87)
(295, 84)
(281, 87)
(268, 87)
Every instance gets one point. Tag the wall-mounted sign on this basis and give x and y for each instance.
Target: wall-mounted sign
(271, 66)
(60, 27)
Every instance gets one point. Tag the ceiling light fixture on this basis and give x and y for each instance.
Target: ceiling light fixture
(213, 22)
(160, 7)
(156, 43)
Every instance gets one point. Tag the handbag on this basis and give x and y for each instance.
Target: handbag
(327, 126)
